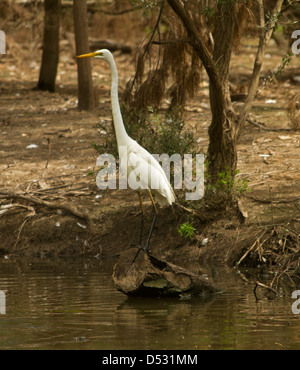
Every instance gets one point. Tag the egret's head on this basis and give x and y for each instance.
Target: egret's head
(101, 54)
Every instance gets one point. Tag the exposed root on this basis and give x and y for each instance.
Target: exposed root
(31, 199)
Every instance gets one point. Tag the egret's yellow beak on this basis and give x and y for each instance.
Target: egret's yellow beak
(89, 55)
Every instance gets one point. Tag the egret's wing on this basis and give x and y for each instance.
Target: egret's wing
(144, 171)
(138, 170)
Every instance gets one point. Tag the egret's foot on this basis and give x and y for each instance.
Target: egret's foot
(140, 248)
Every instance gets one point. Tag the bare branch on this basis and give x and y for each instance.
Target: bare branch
(146, 47)
(265, 33)
(198, 45)
(66, 207)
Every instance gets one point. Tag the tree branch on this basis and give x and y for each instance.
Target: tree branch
(146, 47)
(197, 44)
(66, 207)
(265, 33)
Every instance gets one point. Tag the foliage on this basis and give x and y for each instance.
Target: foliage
(156, 132)
(167, 64)
(228, 183)
(186, 230)
(146, 5)
(286, 59)
(171, 134)
(226, 189)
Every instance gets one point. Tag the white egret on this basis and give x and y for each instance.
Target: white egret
(135, 161)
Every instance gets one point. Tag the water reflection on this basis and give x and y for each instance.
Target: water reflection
(77, 307)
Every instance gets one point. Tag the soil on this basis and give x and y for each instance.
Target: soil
(47, 153)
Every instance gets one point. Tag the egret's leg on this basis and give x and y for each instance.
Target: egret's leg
(142, 220)
(152, 200)
(153, 221)
(141, 229)
(145, 248)
(150, 232)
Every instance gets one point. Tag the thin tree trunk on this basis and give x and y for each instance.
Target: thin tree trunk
(265, 33)
(222, 153)
(50, 46)
(85, 82)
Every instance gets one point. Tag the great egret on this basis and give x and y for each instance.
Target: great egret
(136, 161)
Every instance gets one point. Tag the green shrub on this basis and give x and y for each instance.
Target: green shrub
(187, 230)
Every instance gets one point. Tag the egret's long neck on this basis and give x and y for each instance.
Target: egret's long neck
(116, 111)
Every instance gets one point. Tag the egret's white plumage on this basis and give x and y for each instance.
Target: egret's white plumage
(139, 162)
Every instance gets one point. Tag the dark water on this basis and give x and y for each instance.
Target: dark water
(77, 307)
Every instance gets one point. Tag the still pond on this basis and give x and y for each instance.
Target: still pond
(76, 306)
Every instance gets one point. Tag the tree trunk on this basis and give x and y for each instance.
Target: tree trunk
(222, 148)
(50, 46)
(85, 82)
(222, 153)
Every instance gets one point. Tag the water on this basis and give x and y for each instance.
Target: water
(60, 306)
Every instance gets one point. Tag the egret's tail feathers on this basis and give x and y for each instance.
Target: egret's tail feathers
(165, 200)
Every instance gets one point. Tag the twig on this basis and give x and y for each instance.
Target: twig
(247, 252)
(50, 189)
(48, 157)
(146, 47)
(263, 128)
(31, 214)
(184, 208)
(250, 249)
(31, 199)
(265, 33)
(155, 27)
(257, 284)
(271, 202)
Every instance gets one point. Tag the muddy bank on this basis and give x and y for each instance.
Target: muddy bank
(111, 225)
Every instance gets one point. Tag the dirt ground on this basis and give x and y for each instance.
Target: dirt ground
(47, 155)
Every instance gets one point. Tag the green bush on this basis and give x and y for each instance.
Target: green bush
(156, 132)
(226, 189)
